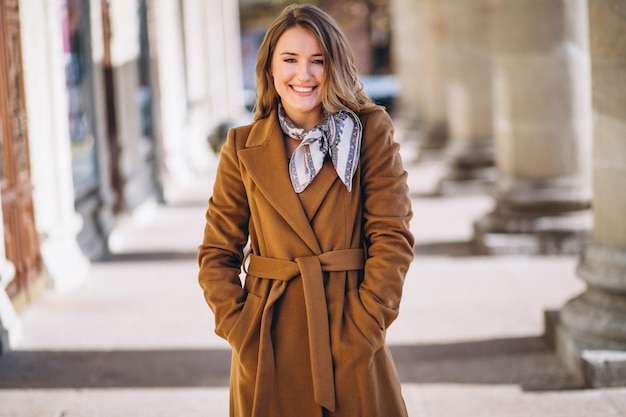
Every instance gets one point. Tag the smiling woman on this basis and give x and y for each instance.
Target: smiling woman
(298, 72)
(328, 234)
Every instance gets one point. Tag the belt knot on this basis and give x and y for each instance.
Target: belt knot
(311, 269)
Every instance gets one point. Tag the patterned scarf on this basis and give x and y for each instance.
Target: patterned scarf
(338, 135)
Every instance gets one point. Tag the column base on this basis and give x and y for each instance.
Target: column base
(435, 138)
(589, 332)
(470, 168)
(409, 136)
(458, 182)
(10, 324)
(547, 234)
(98, 220)
(592, 366)
(66, 264)
(536, 217)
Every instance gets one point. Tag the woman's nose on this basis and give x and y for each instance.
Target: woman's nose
(304, 72)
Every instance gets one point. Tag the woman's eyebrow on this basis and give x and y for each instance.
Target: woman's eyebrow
(295, 54)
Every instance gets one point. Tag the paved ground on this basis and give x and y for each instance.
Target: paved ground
(137, 339)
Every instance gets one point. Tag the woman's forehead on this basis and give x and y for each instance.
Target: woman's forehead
(298, 40)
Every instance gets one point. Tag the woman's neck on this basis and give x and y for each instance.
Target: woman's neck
(307, 121)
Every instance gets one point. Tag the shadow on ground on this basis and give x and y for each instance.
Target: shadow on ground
(154, 256)
(452, 248)
(527, 362)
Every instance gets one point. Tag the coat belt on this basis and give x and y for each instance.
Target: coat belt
(311, 269)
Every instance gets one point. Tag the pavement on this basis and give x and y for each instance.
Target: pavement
(137, 338)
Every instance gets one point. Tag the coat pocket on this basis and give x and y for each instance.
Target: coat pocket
(242, 332)
(366, 325)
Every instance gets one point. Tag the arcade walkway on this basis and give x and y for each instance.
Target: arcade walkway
(137, 340)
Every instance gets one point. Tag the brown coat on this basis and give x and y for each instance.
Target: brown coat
(302, 281)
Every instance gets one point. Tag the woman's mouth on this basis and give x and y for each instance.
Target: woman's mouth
(302, 89)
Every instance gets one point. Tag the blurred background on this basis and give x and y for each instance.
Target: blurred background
(107, 106)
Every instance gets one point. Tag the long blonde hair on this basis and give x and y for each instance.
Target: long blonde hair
(342, 87)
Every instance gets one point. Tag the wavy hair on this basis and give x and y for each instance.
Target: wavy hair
(342, 87)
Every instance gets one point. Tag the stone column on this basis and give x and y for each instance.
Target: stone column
(214, 74)
(199, 40)
(98, 211)
(225, 74)
(542, 128)
(135, 171)
(468, 97)
(57, 222)
(433, 75)
(592, 335)
(170, 61)
(409, 59)
(204, 94)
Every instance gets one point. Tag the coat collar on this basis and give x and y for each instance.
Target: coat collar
(264, 158)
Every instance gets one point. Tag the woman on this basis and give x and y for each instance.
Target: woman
(316, 186)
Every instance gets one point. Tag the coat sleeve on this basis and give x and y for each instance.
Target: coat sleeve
(386, 216)
(225, 235)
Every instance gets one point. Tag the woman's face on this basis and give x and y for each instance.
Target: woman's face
(298, 72)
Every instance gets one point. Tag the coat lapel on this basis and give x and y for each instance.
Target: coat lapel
(264, 158)
(313, 196)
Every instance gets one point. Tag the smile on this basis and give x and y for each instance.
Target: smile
(303, 89)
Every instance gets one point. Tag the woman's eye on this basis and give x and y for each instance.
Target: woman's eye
(318, 61)
(290, 60)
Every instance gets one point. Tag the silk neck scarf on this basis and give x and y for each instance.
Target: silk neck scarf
(338, 135)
